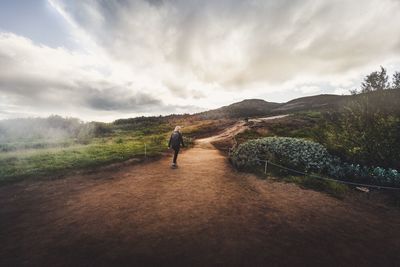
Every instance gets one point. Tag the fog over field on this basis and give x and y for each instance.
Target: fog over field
(102, 60)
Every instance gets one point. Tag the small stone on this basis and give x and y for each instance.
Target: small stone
(362, 189)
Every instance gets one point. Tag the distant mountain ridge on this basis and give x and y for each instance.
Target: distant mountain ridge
(317, 102)
(259, 107)
(245, 108)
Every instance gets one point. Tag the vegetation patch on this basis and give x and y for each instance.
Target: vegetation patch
(302, 125)
(333, 188)
(309, 157)
(357, 141)
(300, 154)
(56, 145)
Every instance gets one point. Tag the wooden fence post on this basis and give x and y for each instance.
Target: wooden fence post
(265, 167)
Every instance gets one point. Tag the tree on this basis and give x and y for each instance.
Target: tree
(396, 80)
(367, 130)
(376, 81)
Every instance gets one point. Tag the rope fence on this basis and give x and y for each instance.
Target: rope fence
(267, 162)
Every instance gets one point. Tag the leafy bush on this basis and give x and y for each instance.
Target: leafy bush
(365, 132)
(300, 154)
(371, 175)
(307, 156)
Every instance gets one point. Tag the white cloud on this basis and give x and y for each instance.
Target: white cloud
(37, 80)
(341, 91)
(308, 89)
(151, 57)
(234, 43)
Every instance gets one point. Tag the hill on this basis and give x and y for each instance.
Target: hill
(324, 102)
(245, 108)
(259, 107)
(317, 102)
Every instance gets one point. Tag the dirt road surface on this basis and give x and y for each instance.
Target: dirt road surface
(202, 214)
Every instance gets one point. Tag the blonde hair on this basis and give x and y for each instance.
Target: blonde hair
(177, 129)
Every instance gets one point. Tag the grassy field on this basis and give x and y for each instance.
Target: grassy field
(22, 164)
(299, 125)
(113, 142)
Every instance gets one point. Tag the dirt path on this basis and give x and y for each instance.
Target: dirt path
(203, 213)
(224, 137)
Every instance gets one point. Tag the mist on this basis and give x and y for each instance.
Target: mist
(42, 132)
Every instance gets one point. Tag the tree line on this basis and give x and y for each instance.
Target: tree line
(367, 130)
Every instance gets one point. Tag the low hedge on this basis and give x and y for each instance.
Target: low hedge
(308, 156)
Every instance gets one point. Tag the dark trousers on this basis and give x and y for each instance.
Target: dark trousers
(176, 151)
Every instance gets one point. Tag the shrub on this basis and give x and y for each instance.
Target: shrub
(188, 141)
(307, 156)
(364, 132)
(300, 154)
(119, 141)
(158, 139)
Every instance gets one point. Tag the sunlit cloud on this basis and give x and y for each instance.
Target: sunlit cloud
(158, 57)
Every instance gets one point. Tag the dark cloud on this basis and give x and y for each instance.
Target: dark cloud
(155, 2)
(47, 94)
(112, 100)
(182, 91)
(41, 80)
(150, 56)
(234, 42)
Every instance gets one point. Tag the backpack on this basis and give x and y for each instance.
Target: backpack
(175, 139)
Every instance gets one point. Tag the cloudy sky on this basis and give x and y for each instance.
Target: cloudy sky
(102, 60)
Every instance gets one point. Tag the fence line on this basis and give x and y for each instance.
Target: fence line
(266, 162)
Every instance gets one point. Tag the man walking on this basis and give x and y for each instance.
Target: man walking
(175, 142)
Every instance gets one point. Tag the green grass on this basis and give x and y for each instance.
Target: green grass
(121, 141)
(335, 189)
(248, 135)
(203, 128)
(300, 125)
(48, 162)
(114, 146)
(332, 188)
